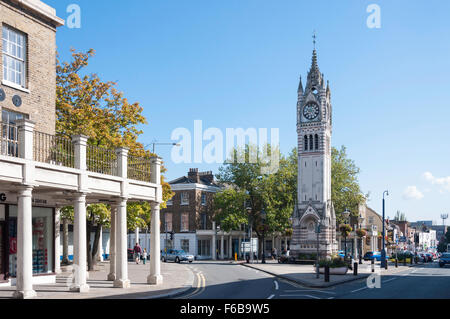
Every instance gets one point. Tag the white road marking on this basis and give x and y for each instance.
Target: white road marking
(271, 296)
(276, 285)
(322, 291)
(314, 297)
(331, 298)
(388, 280)
(358, 289)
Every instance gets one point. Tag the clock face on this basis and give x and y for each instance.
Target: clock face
(311, 111)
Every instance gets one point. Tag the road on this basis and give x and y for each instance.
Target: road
(225, 280)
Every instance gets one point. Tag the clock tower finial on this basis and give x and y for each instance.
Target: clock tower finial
(314, 39)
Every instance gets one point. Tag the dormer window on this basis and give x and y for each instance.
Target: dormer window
(14, 46)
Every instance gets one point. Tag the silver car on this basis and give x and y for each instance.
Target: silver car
(177, 255)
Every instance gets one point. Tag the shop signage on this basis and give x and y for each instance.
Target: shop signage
(2, 197)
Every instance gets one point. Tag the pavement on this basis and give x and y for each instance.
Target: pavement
(177, 279)
(305, 274)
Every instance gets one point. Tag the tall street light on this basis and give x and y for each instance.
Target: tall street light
(383, 251)
(360, 220)
(346, 215)
(318, 231)
(250, 222)
(263, 217)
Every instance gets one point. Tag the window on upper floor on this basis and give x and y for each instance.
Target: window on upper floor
(203, 221)
(204, 199)
(168, 221)
(316, 142)
(184, 199)
(311, 142)
(184, 222)
(14, 49)
(306, 142)
(169, 202)
(9, 132)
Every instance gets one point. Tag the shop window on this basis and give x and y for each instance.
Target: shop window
(42, 229)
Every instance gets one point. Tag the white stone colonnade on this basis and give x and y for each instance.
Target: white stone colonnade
(86, 191)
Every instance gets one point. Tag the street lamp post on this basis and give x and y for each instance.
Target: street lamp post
(250, 222)
(318, 230)
(383, 251)
(346, 215)
(361, 220)
(263, 217)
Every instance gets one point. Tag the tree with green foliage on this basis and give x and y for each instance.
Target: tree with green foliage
(250, 185)
(345, 189)
(87, 105)
(400, 217)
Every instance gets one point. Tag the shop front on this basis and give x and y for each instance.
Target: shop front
(43, 244)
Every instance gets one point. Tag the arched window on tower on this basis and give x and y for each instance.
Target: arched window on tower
(316, 141)
(306, 142)
(311, 143)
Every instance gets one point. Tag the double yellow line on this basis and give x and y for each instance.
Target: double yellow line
(201, 286)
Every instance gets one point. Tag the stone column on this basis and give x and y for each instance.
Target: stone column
(155, 277)
(112, 245)
(230, 247)
(221, 246)
(136, 235)
(99, 254)
(57, 240)
(65, 259)
(239, 246)
(213, 244)
(121, 280)
(24, 280)
(80, 245)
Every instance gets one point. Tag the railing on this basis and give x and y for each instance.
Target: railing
(9, 145)
(57, 150)
(101, 160)
(139, 168)
(53, 149)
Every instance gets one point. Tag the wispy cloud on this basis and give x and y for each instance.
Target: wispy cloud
(442, 182)
(411, 192)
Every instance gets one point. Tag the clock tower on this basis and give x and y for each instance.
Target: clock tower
(314, 206)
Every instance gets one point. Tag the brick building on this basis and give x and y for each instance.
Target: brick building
(189, 215)
(40, 172)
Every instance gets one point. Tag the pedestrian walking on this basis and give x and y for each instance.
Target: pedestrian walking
(137, 253)
(274, 253)
(144, 255)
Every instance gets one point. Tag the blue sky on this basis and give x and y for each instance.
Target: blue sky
(237, 63)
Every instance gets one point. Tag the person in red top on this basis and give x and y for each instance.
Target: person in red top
(137, 252)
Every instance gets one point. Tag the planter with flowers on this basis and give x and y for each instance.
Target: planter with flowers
(337, 266)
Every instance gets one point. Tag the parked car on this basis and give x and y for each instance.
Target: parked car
(444, 259)
(177, 255)
(429, 257)
(422, 257)
(373, 255)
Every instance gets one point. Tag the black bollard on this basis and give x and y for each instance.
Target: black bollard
(396, 263)
(327, 274)
(411, 260)
(373, 265)
(355, 269)
(386, 264)
(404, 262)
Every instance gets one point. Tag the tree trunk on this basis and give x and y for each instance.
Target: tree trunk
(88, 243)
(65, 260)
(95, 245)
